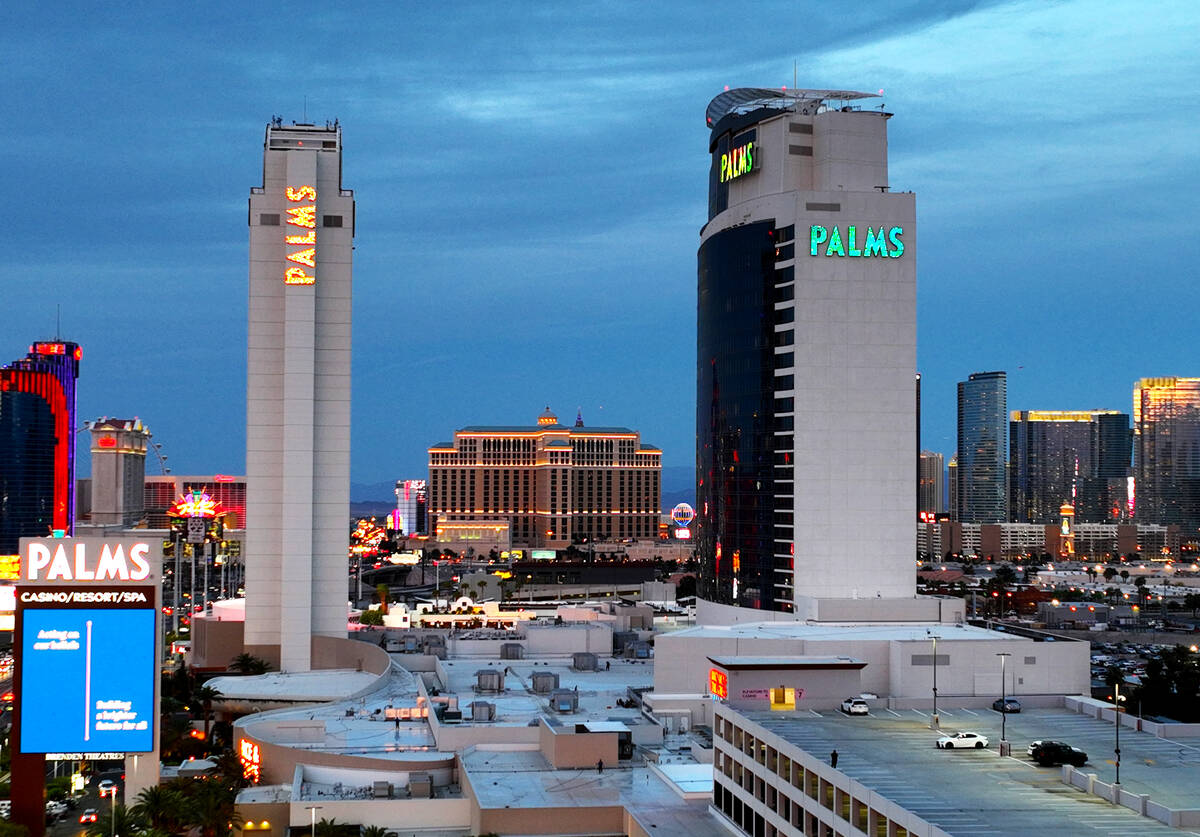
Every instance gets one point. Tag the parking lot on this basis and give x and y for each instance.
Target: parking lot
(978, 792)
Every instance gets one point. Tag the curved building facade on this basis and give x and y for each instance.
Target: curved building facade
(806, 355)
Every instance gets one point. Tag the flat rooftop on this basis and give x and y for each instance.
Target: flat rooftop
(357, 726)
(839, 632)
(978, 792)
(523, 779)
(598, 690)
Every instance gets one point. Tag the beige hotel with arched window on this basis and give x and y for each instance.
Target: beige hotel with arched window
(553, 484)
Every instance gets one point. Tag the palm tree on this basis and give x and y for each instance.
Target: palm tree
(114, 821)
(376, 831)
(207, 694)
(159, 806)
(249, 664)
(1109, 574)
(211, 808)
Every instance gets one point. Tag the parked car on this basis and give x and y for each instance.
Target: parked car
(1053, 753)
(1006, 705)
(855, 706)
(88, 815)
(962, 739)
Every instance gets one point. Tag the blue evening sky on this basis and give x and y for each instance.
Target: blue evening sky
(531, 179)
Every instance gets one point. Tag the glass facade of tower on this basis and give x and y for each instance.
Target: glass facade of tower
(37, 443)
(1166, 416)
(1061, 456)
(983, 448)
(735, 419)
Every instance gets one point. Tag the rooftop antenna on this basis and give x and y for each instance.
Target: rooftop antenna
(795, 83)
(57, 322)
(306, 109)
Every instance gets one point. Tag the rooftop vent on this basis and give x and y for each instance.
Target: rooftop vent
(489, 680)
(584, 661)
(420, 785)
(482, 711)
(512, 651)
(544, 682)
(564, 701)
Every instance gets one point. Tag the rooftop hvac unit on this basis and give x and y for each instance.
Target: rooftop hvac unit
(544, 682)
(623, 638)
(382, 790)
(638, 650)
(452, 716)
(420, 785)
(483, 711)
(584, 661)
(489, 680)
(512, 651)
(564, 701)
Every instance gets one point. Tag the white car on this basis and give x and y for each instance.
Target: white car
(855, 706)
(962, 739)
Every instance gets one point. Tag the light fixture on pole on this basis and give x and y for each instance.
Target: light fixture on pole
(1004, 746)
(1118, 699)
(935, 722)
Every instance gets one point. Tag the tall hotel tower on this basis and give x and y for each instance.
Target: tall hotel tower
(806, 355)
(298, 395)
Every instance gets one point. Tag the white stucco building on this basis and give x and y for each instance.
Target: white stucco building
(298, 395)
(806, 419)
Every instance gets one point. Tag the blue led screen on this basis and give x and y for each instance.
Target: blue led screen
(87, 680)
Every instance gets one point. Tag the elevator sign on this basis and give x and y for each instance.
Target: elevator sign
(301, 239)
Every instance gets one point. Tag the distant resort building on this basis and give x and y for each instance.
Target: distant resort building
(550, 484)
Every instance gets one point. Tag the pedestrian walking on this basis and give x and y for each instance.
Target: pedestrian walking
(600, 766)
(833, 759)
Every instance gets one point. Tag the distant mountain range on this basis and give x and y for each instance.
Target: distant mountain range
(378, 498)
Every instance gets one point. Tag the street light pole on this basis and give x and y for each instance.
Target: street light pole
(936, 721)
(114, 810)
(313, 812)
(1117, 700)
(1004, 748)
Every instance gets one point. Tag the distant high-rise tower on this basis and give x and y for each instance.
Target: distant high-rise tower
(806, 355)
(983, 448)
(952, 487)
(37, 443)
(1166, 426)
(118, 471)
(931, 497)
(411, 498)
(298, 395)
(1077, 457)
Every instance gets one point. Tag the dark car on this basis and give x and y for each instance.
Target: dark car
(1053, 753)
(1006, 705)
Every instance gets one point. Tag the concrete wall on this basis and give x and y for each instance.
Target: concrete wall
(965, 667)
(944, 609)
(339, 653)
(608, 819)
(279, 761)
(564, 640)
(823, 688)
(566, 749)
(407, 814)
(971, 668)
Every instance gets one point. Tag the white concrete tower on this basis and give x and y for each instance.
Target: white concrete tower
(298, 395)
(806, 424)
